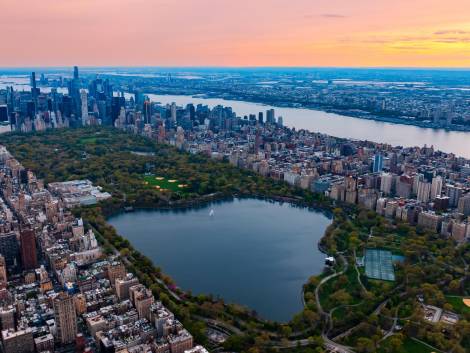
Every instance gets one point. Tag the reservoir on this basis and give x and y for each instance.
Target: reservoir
(247, 251)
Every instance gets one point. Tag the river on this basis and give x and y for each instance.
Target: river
(252, 252)
(342, 126)
(315, 120)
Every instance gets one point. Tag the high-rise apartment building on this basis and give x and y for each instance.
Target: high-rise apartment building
(464, 205)
(386, 183)
(84, 110)
(18, 342)
(436, 187)
(65, 318)
(424, 191)
(3, 272)
(453, 193)
(29, 259)
(9, 248)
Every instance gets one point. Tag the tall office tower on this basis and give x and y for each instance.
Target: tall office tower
(139, 100)
(84, 100)
(260, 117)
(74, 92)
(424, 191)
(192, 111)
(3, 272)
(147, 111)
(270, 118)
(173, 112)
(32, 80)
(9, 248)
(436, 187)
(4, 114)
(116, 104)
(34, 92)
(464, 205)
(28, 249)
(378, 163)
(280, 121)
(453, 193)
(65, 318)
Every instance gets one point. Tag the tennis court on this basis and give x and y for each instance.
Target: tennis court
(379, 264)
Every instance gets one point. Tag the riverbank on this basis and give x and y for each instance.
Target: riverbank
(352, 113)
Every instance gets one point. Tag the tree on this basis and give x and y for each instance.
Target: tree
(341, 297)
(454, 286)
(394, 343)
(365, 345)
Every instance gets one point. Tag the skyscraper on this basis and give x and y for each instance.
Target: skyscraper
(65, 318)
(117, 103)
(378, 163)
(84, 100)
(32, 80)
(28, 249)
(147, 111)
(4, 114)
(173, 112)
(74, 92)
(270, 118)
(34, 92)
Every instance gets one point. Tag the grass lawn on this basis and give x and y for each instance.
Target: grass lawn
(458, 305)
(410, 346)
(162, 183)
(88, 140)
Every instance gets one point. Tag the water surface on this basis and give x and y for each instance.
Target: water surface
(252, 252)
(342, 126)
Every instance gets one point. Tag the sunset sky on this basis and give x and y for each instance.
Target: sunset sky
(421, 33)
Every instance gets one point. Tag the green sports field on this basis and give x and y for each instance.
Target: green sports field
(163, 183)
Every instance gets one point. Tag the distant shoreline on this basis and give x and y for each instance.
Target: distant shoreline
(352, 113)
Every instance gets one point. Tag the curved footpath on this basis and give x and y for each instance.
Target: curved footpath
(328, 343)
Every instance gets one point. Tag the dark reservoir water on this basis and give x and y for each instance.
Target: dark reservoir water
(252, 252)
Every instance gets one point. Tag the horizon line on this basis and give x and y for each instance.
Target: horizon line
(237, 67)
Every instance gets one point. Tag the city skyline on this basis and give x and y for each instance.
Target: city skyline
(237, 34)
